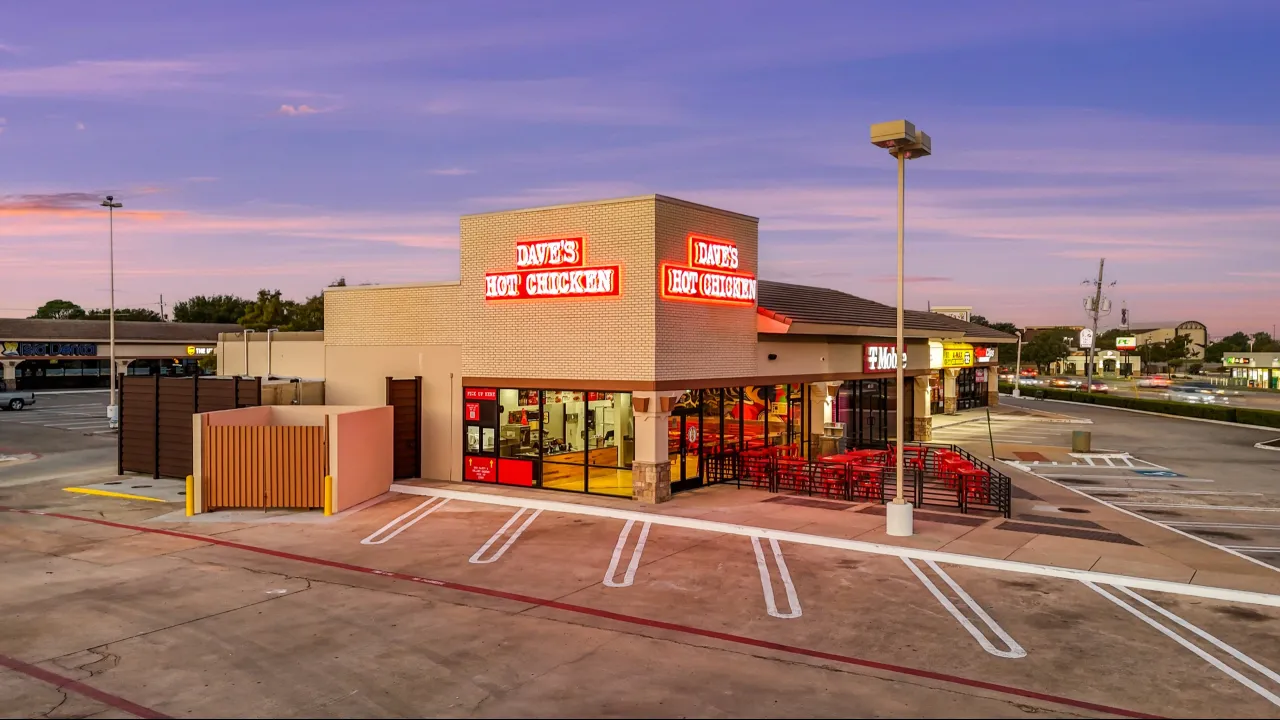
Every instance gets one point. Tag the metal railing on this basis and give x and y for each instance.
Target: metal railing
(929, 481)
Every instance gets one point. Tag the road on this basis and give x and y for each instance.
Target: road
(1245, 398)
(1205, 479)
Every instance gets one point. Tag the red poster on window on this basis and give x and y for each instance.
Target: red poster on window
(480, 393)
(480, 469)
(472, 412)
(592, 397)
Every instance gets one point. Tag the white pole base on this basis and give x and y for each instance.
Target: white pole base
(1017, 392)
(898, 519)
(113, 416)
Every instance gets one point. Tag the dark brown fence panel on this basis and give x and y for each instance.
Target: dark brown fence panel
(155, 434)
(405, 398)
(137, 436)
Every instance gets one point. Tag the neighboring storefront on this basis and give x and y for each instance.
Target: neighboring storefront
(964, 375)
(1254, 369)
(614, 347)
(69, 354)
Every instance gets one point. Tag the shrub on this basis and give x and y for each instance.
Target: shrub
(1225, 413)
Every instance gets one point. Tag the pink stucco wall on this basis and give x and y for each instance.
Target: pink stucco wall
(362, 464)
(242, 416)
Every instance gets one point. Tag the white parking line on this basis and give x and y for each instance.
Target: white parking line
(770, 604)
(429, 506)
(1215, 662)
(476, 558)
(1015, 650)
(1095, 488)
(1250, 548)
(630, 576)
(1238, 526)
(1068, 477)
(1239, 508)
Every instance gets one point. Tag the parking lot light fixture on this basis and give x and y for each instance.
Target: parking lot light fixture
(113, 418)
(904, 142)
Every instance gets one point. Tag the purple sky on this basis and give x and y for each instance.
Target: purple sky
(284, 144)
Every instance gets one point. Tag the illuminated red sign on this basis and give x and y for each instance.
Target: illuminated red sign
(553, 268)
(480, 393)
(472, 412)
(560, 252)
(709, 276)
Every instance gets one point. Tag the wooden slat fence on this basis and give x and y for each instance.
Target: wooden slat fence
(261, 466)
(155, 434)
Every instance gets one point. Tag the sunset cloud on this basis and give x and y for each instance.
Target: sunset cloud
(291, 110)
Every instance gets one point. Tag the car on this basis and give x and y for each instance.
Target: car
(1191, 394)
(1099, 387)
(1063, 381)
(15, 400)
(1154, 381)
(1207, 387)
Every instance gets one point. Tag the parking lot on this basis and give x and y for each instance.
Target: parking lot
(78, 412)
(426, 605)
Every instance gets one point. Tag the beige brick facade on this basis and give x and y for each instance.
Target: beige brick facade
(417, 314)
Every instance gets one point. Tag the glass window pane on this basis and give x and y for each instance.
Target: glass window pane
(611, 430)
(518, 423)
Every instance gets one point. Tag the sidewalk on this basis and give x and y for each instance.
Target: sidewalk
(1050, 526)
(1006, 412)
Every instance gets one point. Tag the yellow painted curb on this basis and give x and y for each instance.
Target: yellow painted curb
(108, 493)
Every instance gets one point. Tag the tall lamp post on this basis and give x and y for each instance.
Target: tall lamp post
(1017, 368)
(904, 142)
(113, 409)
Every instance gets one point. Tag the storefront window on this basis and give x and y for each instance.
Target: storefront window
(612, 438)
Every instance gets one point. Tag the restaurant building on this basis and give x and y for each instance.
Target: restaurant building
(1253, 369)
(38, 354)
(612, 347)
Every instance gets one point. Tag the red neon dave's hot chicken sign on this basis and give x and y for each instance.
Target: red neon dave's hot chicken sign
(711, 275)
(552, 268)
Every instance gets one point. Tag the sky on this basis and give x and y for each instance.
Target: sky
(285, 144)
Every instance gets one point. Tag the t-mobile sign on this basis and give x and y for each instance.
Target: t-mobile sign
(880, 358)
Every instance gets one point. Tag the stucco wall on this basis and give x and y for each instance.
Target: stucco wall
(358, 376)
(804, 356)
(301, 355)
(361, 464)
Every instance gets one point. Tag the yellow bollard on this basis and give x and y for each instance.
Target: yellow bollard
(191, 496)
(328, 494)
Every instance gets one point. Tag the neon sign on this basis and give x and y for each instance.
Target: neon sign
(709, 277)
(552, 268)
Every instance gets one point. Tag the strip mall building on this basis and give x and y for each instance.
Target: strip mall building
(611, 347)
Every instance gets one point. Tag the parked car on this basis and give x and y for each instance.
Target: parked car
(1154, 381)
(14, 400)
(1189, 394)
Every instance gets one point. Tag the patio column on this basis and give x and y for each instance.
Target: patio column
(923, 409)
(651, 469)
(949, 376)
(11, 374)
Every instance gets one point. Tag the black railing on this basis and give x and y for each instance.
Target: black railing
(929, 480)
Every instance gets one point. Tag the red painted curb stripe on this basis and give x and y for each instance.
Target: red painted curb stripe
(618, 617)
(66, 683)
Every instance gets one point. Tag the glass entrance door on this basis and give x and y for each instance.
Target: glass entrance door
(684, 441)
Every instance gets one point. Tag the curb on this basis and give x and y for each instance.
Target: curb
(1065, 421)
(1177, 588)
(1148, 412)
(1265, 446)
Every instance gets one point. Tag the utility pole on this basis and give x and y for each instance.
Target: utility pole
(1095, 309)
(162, 315)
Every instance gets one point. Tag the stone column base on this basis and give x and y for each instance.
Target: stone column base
(993, 398)
(923, 427)
(651, 482)
(949, 406)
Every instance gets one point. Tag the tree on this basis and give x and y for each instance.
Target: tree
(309, 316)
(125, 314)
(1047, 347)
(1235, 342)
(1263, 342)
(269, 310)
(59, 310)
(210, 309)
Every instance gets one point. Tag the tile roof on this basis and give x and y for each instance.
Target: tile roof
(98, 330)
(805, 303)
(974, 330)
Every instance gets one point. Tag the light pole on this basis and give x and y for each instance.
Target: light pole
(1017, 368)
(904, 142)
(247, 332)
(113, 417)
(270, 332)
